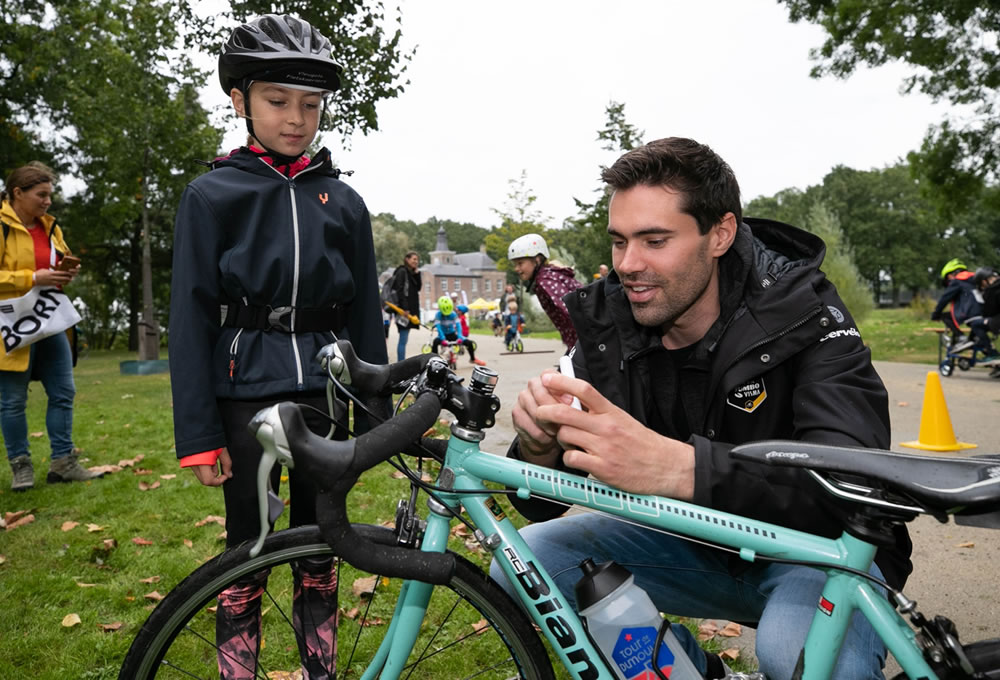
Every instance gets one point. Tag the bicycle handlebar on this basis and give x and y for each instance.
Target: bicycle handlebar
(336, 465)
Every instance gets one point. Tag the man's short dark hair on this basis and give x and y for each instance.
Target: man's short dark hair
(692, 169)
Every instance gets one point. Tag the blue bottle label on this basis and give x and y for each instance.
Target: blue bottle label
(633, 654)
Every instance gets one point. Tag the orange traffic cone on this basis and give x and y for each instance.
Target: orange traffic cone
(936, 433)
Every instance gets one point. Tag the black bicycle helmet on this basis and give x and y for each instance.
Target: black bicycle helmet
(278, 49)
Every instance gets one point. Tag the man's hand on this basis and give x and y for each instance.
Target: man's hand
(537, 440)
(608, 443)
(215, 475)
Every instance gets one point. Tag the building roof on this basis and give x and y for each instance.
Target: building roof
(448, 270)
(476, 260)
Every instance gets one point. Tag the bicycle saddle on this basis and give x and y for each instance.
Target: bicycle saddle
(954, 486)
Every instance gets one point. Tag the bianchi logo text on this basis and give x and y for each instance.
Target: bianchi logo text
(840, 334)
(785, 454)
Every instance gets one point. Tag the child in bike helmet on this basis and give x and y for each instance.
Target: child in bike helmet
(449, 329)
(966, 308)
(271, 242)
(529, 256)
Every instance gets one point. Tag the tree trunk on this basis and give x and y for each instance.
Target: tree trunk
(134, 287)
(149, 329)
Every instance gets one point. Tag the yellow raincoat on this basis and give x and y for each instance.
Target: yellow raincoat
(17, 264)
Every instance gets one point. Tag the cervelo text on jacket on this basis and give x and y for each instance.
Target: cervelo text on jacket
(783, 361)
(246, 233)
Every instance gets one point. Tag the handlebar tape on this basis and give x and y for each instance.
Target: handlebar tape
(377, 379)
(336, 466)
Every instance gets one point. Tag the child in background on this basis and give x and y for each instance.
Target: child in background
(513, 321)
(449, 329)
(284, 248)
(529, 256)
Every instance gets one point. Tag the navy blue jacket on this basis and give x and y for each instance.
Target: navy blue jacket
(245, 232)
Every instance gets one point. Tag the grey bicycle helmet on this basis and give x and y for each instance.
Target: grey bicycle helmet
(982, 274)
(279, 49)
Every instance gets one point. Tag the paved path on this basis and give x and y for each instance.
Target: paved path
(955, 571)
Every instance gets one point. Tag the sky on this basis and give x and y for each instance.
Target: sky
(501, 88)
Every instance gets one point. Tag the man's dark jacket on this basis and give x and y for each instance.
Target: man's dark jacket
(783, 361)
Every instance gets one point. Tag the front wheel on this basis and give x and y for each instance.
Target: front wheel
(472, 627)
(426, 348)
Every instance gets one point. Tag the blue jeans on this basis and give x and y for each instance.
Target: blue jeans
(686, 579)
(404, 333)
(52, 363)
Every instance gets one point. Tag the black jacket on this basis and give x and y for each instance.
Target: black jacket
(405, 289)
(245, 232)
(784, 360)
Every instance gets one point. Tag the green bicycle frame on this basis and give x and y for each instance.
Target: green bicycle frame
(843, 592)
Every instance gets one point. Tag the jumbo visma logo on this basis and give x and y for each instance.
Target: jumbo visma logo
(749, 396)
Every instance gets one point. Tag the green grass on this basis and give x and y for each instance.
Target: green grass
(48, 573)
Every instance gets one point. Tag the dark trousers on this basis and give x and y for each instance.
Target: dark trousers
(242, 511)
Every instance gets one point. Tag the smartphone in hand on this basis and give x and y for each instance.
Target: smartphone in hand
(68, 262)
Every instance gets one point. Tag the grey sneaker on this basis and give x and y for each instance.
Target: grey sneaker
(24, 473)
(67, 469)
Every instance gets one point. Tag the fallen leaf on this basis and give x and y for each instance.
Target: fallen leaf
(188, 543)
(143, 486)
(37, 434)
(154, 596)
(364, 587)
(70, 620)
(170, 476)
(27, 519)
(138, 540)
(86, 585)
(106, 469)
(731, 654)
(141, 471)
(129, 462)
(3, 559)
(128, 396)
(151, 579)
(480, 626)
(69, 526)
(109, 543)
(9, 517)
(222, 536)
(903, 403)
(110, 627)
(967, 544)
(731, 630)
(221, 521)
(460, 530)
(398, 474)
(707, 630)
(94, 528)
(351, 614)
(285, 675)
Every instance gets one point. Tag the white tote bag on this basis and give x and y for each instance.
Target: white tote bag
(38, 314)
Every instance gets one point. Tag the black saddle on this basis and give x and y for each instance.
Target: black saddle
(968, 488)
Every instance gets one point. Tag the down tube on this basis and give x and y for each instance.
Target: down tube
(540, 597)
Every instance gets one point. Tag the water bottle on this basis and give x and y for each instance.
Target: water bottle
(623, 622)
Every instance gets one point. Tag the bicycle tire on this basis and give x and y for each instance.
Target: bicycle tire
(426, 348)
(173, 644)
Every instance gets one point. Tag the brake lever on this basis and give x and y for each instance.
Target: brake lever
(267, 427)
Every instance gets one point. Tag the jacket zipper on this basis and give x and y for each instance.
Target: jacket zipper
(784, 331)
(300, 380)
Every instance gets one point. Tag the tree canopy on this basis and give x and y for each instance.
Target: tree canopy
(954, 45)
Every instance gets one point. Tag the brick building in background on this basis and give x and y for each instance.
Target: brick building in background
(470, 275)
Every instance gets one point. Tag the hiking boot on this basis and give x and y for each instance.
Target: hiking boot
(24, 473)
(67, 469)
